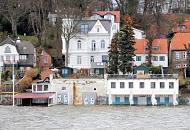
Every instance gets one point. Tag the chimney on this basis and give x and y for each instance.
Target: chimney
(18, 40)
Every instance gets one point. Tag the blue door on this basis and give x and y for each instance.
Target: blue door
(126, 100)
(167, 100)
(158, 100)
(149, 102)
(117, 100)
(135, 100)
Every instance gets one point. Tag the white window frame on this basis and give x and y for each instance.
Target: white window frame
(79, 45)
(103, 44)
(79, 61)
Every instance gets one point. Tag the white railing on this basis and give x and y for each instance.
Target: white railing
(146, 76)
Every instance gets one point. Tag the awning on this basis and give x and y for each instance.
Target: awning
(34, 95)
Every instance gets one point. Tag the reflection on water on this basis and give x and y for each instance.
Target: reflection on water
(95, 117)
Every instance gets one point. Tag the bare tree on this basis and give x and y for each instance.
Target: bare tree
(70, 13)
(38, 13)
(12, 10)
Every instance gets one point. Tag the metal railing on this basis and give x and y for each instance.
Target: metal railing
(146, 76)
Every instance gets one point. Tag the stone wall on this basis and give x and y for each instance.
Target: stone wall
(79, 90)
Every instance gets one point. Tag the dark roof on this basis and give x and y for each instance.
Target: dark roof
(91, 23)
(25, 47)
(8, 41)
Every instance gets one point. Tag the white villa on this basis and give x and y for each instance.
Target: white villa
(8, 53)
(89, 49)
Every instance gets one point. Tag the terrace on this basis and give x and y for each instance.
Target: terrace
(145, 76)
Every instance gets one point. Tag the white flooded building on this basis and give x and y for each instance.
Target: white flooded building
(143, 89)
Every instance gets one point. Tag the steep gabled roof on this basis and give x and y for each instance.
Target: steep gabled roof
(140, 45)
(8, 40)
(25, 47)
(179, 41)
(91, 23)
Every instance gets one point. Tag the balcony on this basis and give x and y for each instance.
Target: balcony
(146, 76)
(98, 64)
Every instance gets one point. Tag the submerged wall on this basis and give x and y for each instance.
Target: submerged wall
(80, 91)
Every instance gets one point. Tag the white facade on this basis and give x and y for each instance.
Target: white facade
(157, 59)
(149, 86)
(8, 54)
(91, 46)
(138, 34)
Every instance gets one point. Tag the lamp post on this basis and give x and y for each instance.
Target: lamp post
(13, 76)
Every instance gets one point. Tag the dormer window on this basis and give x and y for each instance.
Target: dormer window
(98, 29)
(155, 48)
(7, 49)
(181, 27)
(84, 28)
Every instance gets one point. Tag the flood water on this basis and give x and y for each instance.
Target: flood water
(95, 118)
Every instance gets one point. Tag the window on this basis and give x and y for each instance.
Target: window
(162, 84)
(184, 55)
(104, 58)
(45, 87)
(78, 59)
(162, 58)
(138, 58)
(7, 49)
(155, 58)
(122, 85)
(177, 55)
(78, 44)
(93, 47)
(102, 44)
(63, 88)
(39, 87)
(146, 58)
(22, 57)
(8, 58)
(155, 48)
(171, 84)
(92, 59)
(84, 28)
(130, 84)
(141, 84)
(113, 85)
(98, 29)
(153, 85)
(97, 71)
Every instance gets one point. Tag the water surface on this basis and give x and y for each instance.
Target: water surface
(95, 118)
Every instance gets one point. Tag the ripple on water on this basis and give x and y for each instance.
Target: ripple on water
(95, 117)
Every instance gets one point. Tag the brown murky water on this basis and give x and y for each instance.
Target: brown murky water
(95, 118)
